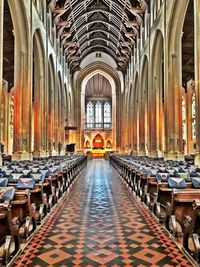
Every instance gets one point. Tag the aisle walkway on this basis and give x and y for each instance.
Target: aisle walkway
(101, 225)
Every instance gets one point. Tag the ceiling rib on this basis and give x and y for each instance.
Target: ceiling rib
(105, 25)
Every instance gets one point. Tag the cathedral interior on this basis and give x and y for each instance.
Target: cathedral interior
(99, 133)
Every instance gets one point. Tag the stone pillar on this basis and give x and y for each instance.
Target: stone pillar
(22, 106)
(129, 125)
(152, 117)
(50, 94)
(5, 120)
(114, 115)
(173, 109)
(197, 76)
(38, 111)
(126, 128)
(1, 65)
(159, 126)
(122, 129)
(136, 120)
(43, 115)
(142, 111)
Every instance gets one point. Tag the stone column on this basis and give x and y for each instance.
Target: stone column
(22, 106)
(153, 116)
(142, 111)
(115, 119)
(1, 65)
(197, 76)
(173, 109)
(122, 129)
(135, 121)
(129, 125)
(159, 117)
(126, 128)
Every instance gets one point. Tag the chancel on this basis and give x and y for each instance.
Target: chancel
(99, 133)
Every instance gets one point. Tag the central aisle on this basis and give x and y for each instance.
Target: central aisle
(100, 224)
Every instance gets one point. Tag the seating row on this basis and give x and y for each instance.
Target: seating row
(171, 193)
(28, 191)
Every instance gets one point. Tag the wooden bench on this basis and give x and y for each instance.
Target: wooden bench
(150, 193)
(24, 211)
(38, 198)
(9, 232)
(162, 197)
(180, 212)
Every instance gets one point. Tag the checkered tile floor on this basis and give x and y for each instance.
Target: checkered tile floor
(99, 224)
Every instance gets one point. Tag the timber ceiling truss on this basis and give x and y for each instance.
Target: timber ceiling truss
(87, 26)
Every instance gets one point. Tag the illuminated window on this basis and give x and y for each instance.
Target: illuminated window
(107, 115)
(98, 114)
(193, 117)
(90, 115)
(184, 118)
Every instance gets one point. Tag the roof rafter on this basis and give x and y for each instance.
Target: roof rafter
(113, 23)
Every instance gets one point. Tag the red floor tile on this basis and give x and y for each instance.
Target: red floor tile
(100, 224)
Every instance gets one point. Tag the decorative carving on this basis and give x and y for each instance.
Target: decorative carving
(187, 221)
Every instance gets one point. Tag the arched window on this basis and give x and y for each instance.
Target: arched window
(107, 115)
(184, 117)
(90, 115)
(193, 117)
(98, 115)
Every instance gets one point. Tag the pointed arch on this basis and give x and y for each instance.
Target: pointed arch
(80, 82)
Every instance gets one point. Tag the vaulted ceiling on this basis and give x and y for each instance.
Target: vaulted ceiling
(98, 86)
(87, 26)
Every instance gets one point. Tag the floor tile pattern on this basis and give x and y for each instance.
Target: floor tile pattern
(100, 224)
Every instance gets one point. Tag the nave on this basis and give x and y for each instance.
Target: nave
(100, 224)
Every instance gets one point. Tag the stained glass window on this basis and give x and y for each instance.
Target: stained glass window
(184, 118)
(98, 115)
(107, 115)
(90, 115)
(193, 117)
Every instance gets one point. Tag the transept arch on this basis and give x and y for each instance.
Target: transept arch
(80, 83)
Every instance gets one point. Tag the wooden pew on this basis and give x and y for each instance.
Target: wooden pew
(150, 193)
(180, 212)
(9, 232)
(24, 211)
(195, 224)
(143, 182)
(163, 196)
(38, 198)
(47, 189)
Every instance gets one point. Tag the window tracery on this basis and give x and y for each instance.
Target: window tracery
(98, 114)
